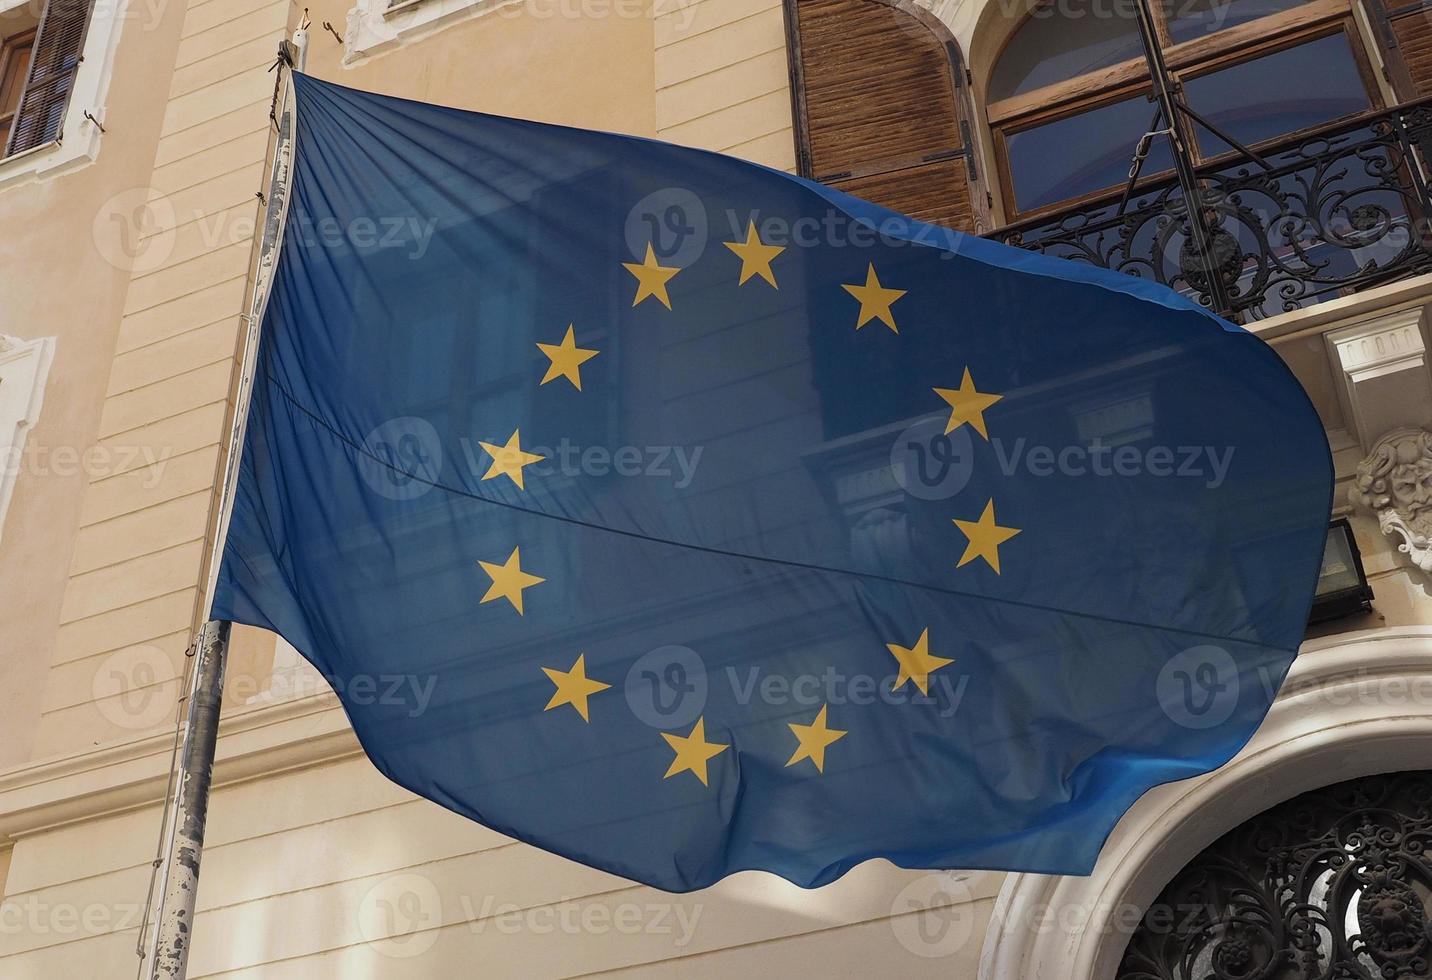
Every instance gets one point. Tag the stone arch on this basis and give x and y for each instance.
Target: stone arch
(1353, 705)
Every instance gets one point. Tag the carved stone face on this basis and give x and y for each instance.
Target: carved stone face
(1395, 481)
(1398, 477)
(1411, 484)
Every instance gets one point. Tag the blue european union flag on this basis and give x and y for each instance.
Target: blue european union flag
(712, 519)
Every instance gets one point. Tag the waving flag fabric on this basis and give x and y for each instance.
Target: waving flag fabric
(681, 516)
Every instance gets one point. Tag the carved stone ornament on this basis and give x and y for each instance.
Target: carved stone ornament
(1395, 480)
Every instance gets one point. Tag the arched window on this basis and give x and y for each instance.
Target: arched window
(1334, 98)
(1069, 96)
(883, 110)
(1334, 884)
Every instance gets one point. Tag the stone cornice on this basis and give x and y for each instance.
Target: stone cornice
(121, 776)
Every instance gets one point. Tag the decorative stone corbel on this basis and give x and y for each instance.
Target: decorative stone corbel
(1382, 368)
(1395, 481)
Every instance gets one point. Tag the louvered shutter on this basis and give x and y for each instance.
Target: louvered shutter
(14, 65)
(1405, 35)
(883, 109)
(53, 64)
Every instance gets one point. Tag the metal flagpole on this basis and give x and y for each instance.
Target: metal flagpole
(168, 955)
(1199, 228)
(191, 805)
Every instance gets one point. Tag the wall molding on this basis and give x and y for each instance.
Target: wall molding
(124, 776)
(24, 368)
(375, 27)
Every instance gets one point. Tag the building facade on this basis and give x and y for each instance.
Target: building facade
(138, 143)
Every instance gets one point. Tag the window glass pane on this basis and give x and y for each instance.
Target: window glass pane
(1081, 154)
(1191, 19)
(1280, 93)
(1063, 41)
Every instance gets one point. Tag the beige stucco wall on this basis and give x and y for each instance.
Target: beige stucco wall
(530, 62)
(130, 599)
(317, 866)
(722, 81)
(63, 274)
(132, 593)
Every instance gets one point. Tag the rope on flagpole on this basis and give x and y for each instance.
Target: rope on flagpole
(158, 861)
(186, 796)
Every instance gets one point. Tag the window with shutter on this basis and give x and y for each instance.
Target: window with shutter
(882, 108)
(1405, 35)
(14, 63)
(1069, 94)
(54, 61)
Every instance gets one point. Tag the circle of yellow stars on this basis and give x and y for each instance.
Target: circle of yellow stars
(693, 752)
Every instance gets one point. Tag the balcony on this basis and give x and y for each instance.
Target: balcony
(1336, 211)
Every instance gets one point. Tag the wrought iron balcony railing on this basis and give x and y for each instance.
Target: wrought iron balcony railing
(1336, 211)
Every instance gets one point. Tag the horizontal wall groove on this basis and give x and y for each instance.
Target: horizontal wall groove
(174, 299)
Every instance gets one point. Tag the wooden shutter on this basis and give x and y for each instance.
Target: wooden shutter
(53, 64)
(1405, 34)
(14, 64)
(883, 109)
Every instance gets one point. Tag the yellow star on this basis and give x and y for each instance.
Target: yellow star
(916, 663)
(573, 687)
(755, 256)
(875, 300)
(985, 538)
(692, 752)
(508, 460)
(967, 404)
(508, 580)
(651, 278)
(814, 739)
(567, 359)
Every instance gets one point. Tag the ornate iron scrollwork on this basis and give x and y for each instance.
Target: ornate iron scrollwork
(1339, 210)
(1333, 885)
